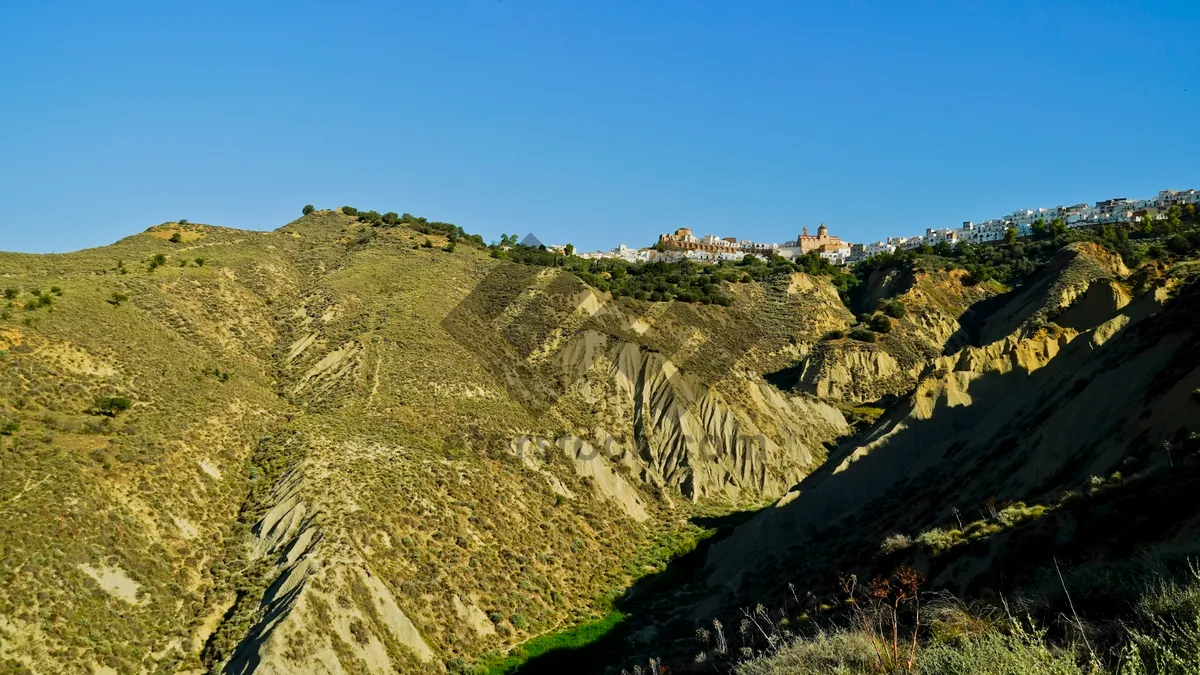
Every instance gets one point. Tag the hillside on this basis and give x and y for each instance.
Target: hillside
(368, 444)
(1057, 429)
(344, 447)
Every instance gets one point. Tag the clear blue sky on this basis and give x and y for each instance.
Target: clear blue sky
(591, 121)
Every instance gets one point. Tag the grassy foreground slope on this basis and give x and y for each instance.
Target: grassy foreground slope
(333, 447)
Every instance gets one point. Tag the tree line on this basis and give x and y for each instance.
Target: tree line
(683, 280)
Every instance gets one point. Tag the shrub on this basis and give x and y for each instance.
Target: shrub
(1165, 639)
(881, 324)
(308, 208)
(982, 528)
(11, 293)
(938, 541)
(157, 261)
(519, 621)
(176, 238)
(221, 375)
(894, 309)
(844, 652)
(834, 335)
(1022, 652)
(117, 298)
(9, 428)
(110, 406)
(862, 335)
(427, 244)
(199, 262)
(1018, 512)
(1179, 244)
(359, 630)
(349, 210)
(894, 543)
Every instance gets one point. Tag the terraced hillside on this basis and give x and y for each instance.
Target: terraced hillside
(343, 448)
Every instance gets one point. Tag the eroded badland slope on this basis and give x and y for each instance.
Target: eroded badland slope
(1056, 427)
(338, 448)
(348, 452)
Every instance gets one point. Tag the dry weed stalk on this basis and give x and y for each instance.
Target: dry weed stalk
(877, 609)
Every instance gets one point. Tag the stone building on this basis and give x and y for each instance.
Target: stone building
(683, 239)
(821, 242)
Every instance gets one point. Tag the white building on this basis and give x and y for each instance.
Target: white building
(878, 247)
(837, 256)
(1169, 198)
(631, 254)
(759, 247)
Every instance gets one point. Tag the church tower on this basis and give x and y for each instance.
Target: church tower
(822, 231)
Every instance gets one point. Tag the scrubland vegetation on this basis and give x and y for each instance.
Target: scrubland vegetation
(894, 626)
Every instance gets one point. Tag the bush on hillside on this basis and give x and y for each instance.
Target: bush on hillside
(894, 543)
(893, 308)
(880, 323)
(937, 541)
(1179, 244)
(308, 208)
(862, 335)
(110, 406)
(1021, 652)
(349, 211)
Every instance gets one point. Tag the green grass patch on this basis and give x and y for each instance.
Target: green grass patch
(571, 638)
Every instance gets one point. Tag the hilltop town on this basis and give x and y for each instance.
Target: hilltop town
(683, 244)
